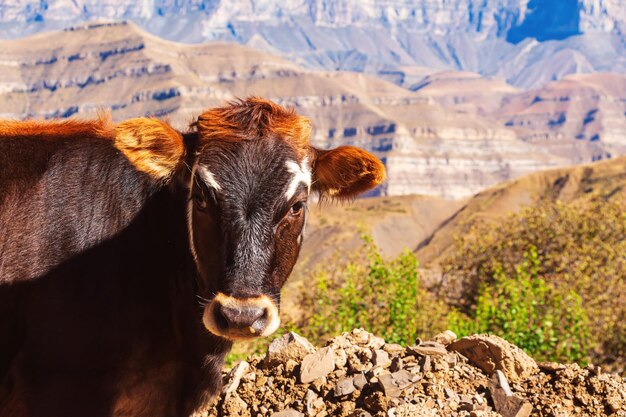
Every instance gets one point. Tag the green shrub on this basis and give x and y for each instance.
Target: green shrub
(546, 321)
(580, 253)
(384, 297)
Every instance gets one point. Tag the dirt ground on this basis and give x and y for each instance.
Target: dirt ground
(358, 374)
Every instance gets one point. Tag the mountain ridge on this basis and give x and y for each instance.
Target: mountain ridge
(379, 37)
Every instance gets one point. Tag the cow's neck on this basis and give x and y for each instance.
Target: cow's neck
(165, 232)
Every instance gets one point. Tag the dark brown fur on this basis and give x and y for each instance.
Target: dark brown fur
(98, 313)
(99, 307)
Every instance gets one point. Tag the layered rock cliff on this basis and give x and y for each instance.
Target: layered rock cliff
(526, 42)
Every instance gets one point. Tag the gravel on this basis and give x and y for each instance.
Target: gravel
(357, 374)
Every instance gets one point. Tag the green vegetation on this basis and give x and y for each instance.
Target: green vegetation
(542, 319)
(385, 297)
(549, 278)
(575, 256)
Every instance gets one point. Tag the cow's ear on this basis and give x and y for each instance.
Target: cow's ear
(151, 145)
(345, 172)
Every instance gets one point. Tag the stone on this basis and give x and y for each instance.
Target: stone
(412, 410)
(491, 353)
(359, 381)
(344, 387)
(289, 346)
(309, 401)
(234, 378)
(355, 364)
(415, 385)
(340, 358)
(290, 365)
(360, 413)
(551, 367)
(615, 404)
(396, 364)
(366, 339)
(505, 402)
(381, 358)
(235, 407)
(430, 348)
(393, 384)
(445, 338)
(451, 395)
(466, 406)
(316, 365)
(318, 384)
(393, 348)
(376, 371)
(288, 412)
(344, 408)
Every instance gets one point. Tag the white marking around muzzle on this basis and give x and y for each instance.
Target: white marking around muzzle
(301, 174)
(262, 301)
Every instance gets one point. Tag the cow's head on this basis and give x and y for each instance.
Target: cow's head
(249, 173)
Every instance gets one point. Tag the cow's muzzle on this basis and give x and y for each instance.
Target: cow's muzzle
(241, 318)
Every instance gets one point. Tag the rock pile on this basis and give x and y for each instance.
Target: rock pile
(359, 375)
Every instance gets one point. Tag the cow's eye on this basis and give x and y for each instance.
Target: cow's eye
(297, 208)
(200, 202)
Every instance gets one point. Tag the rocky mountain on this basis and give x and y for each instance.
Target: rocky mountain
(429, 145)
(525, 42)
(581, 117)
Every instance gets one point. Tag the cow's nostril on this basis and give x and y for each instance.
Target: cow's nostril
(241, 317)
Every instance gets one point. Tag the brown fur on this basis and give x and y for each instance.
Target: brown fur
(346, 171)
(99, 311)
(151, 145)
(100, 127)
(254, 118)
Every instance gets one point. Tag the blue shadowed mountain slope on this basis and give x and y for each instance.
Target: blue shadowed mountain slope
(548, 20)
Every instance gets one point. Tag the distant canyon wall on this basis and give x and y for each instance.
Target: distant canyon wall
(525, 42)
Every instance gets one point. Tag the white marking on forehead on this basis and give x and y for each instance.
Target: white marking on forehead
(208, 177)
(301, 173)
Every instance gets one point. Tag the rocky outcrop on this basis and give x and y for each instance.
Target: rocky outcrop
(359, 375)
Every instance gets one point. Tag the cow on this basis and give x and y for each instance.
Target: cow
(132, 256)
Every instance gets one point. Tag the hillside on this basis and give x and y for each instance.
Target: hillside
(607, 178)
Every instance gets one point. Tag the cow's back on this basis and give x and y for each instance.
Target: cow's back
(63, 188)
